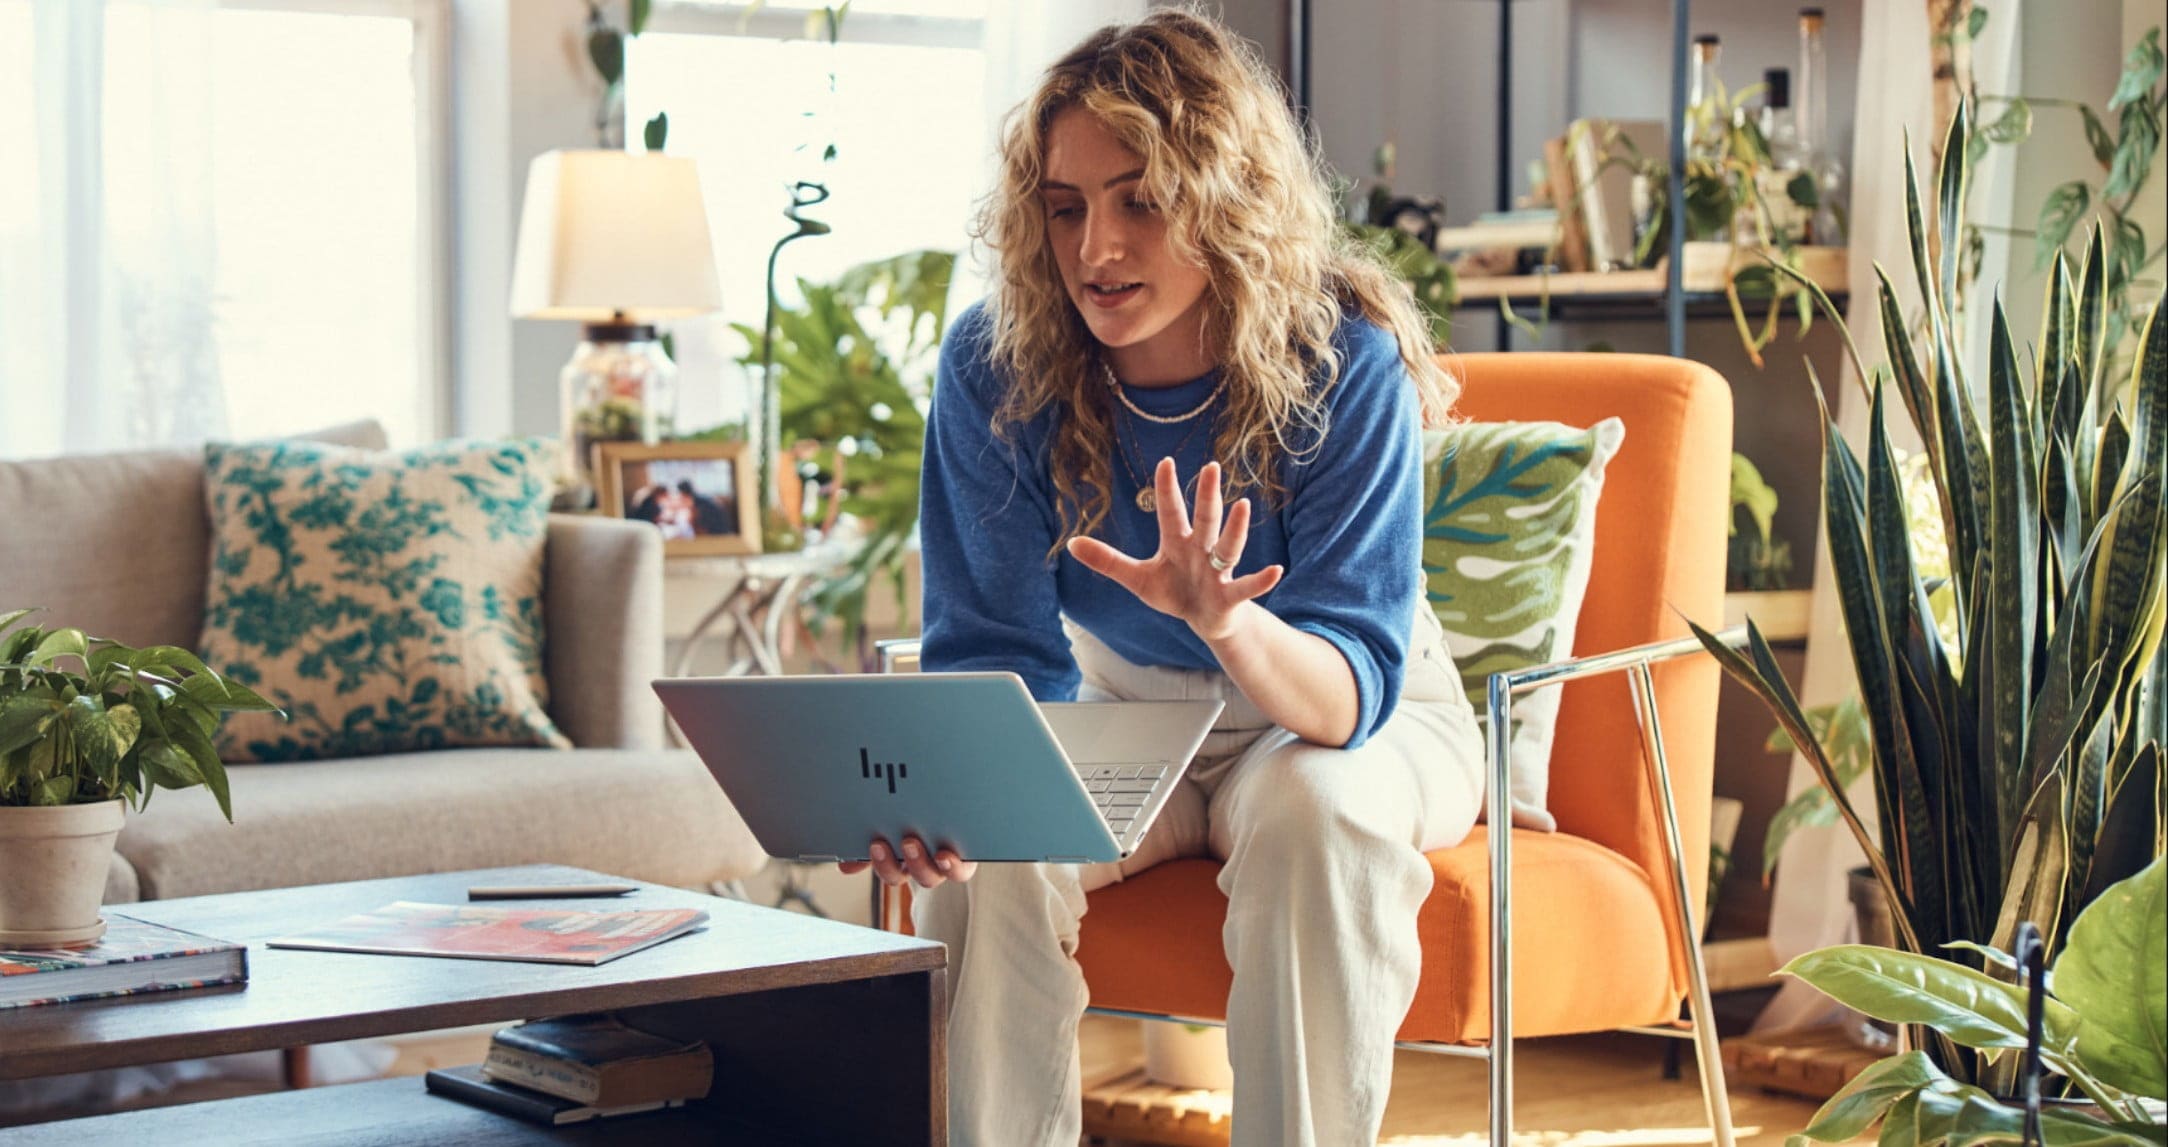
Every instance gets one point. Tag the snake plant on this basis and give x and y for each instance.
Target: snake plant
(2017, 770)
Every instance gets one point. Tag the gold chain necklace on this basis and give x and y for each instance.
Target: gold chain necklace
(1148, 493)
(1115, 384)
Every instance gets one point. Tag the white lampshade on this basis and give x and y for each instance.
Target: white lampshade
(605, 234)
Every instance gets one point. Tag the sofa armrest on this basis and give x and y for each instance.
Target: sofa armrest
(602, 617)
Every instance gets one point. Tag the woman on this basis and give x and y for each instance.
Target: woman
(1172, 286)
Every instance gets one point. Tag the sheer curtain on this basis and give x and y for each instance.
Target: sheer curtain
(1809, 905)
(106, 241)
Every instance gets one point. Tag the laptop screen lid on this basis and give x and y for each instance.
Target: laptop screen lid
(819, 766)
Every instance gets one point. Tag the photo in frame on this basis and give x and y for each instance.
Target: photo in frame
(699, 494)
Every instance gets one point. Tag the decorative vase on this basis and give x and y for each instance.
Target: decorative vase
(1870, 910)
(1187, 1056)
(619, 386)
(53, 864)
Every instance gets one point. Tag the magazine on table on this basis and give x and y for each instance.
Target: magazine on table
(474, 932)
(133, 956)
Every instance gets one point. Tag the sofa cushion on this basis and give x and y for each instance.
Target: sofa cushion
(115, 516)
(648, 815)
(1509, 533)
(386, 601)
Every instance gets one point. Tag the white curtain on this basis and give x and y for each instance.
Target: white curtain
(1809, 907)
(106, 249)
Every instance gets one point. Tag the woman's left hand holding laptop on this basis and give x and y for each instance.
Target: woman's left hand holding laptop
(914, 863)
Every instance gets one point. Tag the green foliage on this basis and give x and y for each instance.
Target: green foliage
(1428, 277)
(2017, 769)
(2102, 1030)
(1841, 731)
(855, 364)
(2127, 151)
(84, 720)
(1760, 560)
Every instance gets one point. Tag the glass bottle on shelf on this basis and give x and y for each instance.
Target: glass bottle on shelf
(1788, 218)
(1826, 226)
(1706, 124)
(619, 386)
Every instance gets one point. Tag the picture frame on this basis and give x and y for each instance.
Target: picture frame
(701, 495)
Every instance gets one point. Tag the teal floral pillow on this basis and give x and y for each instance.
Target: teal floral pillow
(1509, 529)
(387, 601)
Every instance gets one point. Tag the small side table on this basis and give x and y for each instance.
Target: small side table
(761, 600)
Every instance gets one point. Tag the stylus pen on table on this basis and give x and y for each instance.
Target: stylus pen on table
(546, 891)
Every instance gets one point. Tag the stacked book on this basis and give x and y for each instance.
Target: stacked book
(576, 1068)
(132, 957)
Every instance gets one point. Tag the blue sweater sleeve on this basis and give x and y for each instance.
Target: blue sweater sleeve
(1355, 525)
(986, 524)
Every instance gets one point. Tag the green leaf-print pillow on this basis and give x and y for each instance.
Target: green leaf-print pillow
(388, 601)
(1509, 526)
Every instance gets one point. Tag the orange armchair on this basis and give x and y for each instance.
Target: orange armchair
(1623, 874)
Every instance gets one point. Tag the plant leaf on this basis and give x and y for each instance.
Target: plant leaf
(2133, 151)
(636, 20)
(24, 718)
(2098, 137)
(656, 132)
(2142, 69)
(8, 619)
(2114, 973)
(606, 47)
(2059, 215)
(1906, 987)
(1859, 1103)
(2014, 125)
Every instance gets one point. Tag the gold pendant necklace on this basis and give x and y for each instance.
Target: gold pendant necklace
(1147, 492)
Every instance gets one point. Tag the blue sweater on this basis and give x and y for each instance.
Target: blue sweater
(1349, 532)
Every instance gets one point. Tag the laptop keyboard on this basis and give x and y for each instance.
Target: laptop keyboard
(1121, 790)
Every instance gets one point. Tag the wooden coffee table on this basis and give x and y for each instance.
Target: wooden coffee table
(822, 1032)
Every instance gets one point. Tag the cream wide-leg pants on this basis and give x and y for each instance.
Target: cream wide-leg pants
(1324, 873)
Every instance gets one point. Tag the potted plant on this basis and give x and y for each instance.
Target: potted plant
(88, 726)
(2096, 1021)
(2016, 762)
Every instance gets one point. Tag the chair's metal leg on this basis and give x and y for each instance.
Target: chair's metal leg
(1706, 1051)
(1499, 811)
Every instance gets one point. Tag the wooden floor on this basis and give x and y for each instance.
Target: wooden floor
(1590, 1091)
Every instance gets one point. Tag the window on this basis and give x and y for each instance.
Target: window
(324, 195)
(907, 118)
(249, 186)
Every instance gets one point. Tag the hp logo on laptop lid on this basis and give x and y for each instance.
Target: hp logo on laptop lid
(890, 771)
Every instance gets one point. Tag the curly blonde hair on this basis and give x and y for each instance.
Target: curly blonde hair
(1247, 198)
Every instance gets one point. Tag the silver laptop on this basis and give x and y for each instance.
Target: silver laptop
(819, 766)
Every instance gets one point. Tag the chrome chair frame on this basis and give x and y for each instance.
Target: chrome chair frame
(1700, 1027)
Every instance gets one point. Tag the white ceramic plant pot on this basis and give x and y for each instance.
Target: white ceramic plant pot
(1187, 1056)
(53, 863)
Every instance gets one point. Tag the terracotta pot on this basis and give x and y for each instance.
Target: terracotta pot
(53, 864)
(1187, 1055)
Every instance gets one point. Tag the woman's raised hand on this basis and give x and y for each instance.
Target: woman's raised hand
(916, 863)
(1192, 575)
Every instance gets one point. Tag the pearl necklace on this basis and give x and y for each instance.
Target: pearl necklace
(1115, 384)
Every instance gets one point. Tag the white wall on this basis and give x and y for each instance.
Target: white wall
(521, 86)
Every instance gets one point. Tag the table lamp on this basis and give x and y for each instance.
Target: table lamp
(617, 240)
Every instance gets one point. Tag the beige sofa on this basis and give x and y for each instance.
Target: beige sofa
(117, 545)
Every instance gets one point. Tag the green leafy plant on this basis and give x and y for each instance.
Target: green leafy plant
(606, 51)
(1427, 276)
(1759, 560)
(1730, 196)
(1840, 729)
(2103, 1027)
(2017, 770)
(855, 363)
(2125, 143)
(84, 720)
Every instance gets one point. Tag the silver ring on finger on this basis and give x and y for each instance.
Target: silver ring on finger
(1218, 563)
